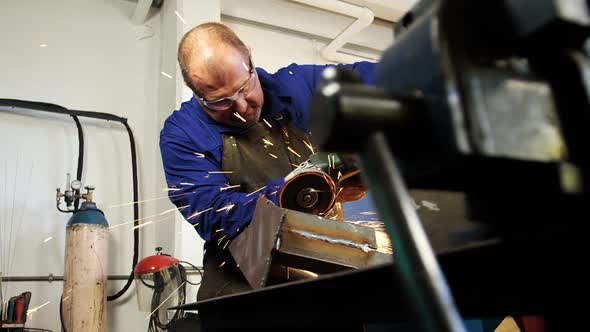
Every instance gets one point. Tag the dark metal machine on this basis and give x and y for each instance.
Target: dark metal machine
(489, 99)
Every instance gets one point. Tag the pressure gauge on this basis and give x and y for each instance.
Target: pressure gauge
(76, 185)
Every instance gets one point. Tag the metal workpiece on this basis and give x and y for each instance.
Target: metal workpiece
(278, 239)
(324, 245)
(252, 249)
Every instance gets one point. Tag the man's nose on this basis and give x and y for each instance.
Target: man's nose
(241, 104)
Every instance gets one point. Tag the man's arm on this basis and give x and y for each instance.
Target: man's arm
(198, 191)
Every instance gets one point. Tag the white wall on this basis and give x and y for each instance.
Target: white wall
(93, 58)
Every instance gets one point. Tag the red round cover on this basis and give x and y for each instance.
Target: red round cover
(155, 263)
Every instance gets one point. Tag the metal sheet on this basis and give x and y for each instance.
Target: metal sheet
(279, 238)
(323, 245)
(253, 247)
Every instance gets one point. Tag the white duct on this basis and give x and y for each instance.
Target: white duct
(141, 11)
(364, 17)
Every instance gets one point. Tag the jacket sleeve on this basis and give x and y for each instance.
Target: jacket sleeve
(197, 189)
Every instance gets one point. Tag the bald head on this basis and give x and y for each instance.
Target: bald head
(203, 49)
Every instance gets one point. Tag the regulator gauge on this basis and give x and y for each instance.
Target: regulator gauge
(76, 185)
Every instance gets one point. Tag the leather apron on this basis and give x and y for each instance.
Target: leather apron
(255, 157)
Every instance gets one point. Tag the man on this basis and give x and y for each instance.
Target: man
(242, 132)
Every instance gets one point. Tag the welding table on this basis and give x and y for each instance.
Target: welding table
(483, 280)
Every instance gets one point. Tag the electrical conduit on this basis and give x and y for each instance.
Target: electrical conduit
(364, 18)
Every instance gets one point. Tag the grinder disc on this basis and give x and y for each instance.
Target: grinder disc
(309, 192)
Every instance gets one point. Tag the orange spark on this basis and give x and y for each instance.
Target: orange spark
(227, 208)
(142, 225)
(149, 200)
(178, 208)
(30, 311)
(309, 146)
(196, 214)
(229, 187)
(255, 191)
(237, 115)
(221, 239)
(294, 152)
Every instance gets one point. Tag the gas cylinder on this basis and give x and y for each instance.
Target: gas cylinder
(85, 276)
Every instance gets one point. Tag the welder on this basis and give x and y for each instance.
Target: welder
(243, 131)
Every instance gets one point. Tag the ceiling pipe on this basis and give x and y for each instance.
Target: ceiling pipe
(364, 17)
(142, 10)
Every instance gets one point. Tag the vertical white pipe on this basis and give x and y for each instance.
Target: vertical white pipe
(364, 18)
(141, 11)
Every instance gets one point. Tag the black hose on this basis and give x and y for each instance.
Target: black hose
(135, 214)
(61, 315)
(200, 271)
(80, 157)
(53, 108)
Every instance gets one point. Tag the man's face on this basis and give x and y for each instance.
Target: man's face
(231, 92)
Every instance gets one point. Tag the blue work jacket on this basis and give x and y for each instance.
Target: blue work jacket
(191, 144)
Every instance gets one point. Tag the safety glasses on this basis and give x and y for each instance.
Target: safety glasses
(225, 103)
